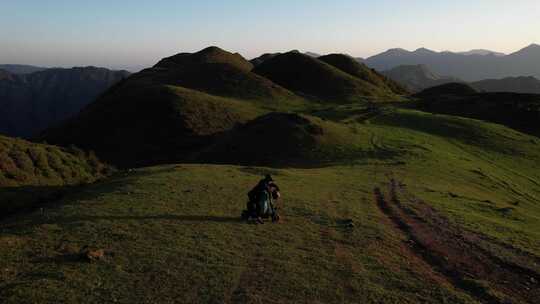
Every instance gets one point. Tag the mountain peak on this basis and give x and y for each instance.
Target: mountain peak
(423, 50)
(212, 54)
(532, 48)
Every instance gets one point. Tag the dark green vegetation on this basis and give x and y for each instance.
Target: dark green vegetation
(29, 172)
(33, 102)
(518, 111)
(381, 203)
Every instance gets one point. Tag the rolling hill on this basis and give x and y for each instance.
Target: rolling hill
(469, 67)
(218, 72)
(283, 139)
(31, 103)
(315, 79)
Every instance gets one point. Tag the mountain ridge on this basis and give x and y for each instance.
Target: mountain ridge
(469, 67)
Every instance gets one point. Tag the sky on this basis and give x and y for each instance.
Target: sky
(132, 34)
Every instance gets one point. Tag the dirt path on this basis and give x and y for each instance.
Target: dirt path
(455, 253)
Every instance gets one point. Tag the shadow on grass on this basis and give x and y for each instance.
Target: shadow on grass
(165, 217)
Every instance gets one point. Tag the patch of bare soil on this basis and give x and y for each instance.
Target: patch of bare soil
(463, 257)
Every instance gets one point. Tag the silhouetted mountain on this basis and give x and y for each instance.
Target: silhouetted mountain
(510, 84)
(313, 78)
(417, 77)
(525, 62)
(32, 102)
(263, 58)
(21, 69)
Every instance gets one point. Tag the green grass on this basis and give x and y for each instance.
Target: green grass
(173, 235)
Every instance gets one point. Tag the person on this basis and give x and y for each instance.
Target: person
(262, 198)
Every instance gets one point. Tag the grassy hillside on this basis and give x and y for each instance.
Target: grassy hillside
(518, 111)
(134, 126)
(351, 66)
(26, 167)
(280, 139)
(350, 230)
(318, 80)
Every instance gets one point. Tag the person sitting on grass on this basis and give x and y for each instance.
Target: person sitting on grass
(262, 199)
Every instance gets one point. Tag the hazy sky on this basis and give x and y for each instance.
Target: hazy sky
(122, 33)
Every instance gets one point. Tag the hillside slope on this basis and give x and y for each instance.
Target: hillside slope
(351, 66)
(134, 126)
(30, 171)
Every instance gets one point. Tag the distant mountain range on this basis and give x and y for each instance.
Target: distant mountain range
(469, 66)
(21, 69)
(31, 102)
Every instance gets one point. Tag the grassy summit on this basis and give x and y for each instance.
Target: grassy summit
(217, 72)
(318, 80)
